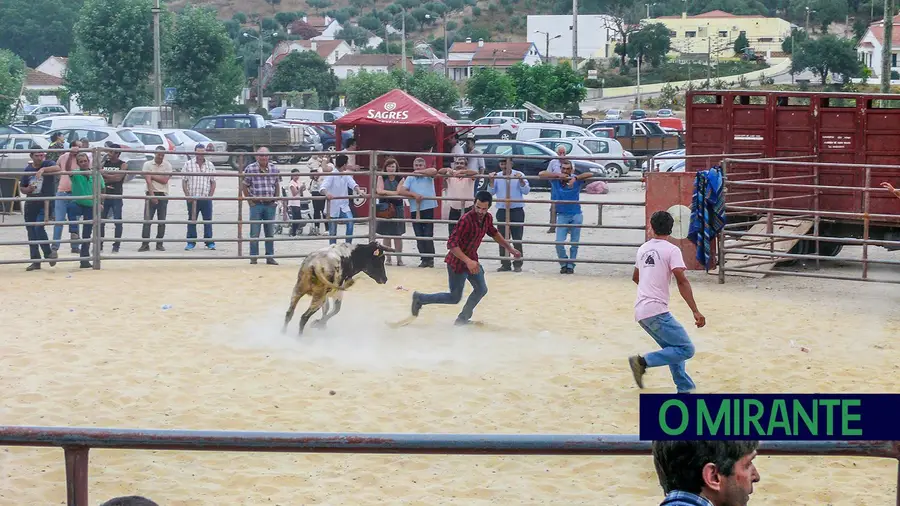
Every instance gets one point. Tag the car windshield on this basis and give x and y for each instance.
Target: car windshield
(128, 136)
(196, 136)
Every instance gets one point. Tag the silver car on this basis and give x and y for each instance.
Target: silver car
(187, 140)
(153, 139)
(98, 137)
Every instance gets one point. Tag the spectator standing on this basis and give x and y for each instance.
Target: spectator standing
(475, 163)
(553, 167)
(56, 142)
(567, 186)
(157, 186)
(260, 187)
(460, 184)
(64, 210)
(389, 209)
(335, 187)
(199, 189)
(114, 172)
(706, 473)
(513, 189)
(297, 203)
(36, 189)
(315, 189)
(83, 186)
(418, 187)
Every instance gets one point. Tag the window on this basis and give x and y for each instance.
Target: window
(532, 151)
(596, 146)
(498, 149)
(44, 123)
(639, 129)
(690, 35)
(237, 123)
(196, 137)
(622, 130)
(723, 33)
(550, 134)
(150, 140)
(22, 143)
(127, 136)
(174, 139)
(206, 123)
(574, 133)
(765, 39)
(672, 34)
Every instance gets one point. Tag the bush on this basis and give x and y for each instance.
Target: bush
(591, 83)
(895, 75)
(509, 10)
(615, 81)
(476, 11)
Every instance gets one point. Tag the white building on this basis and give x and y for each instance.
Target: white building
(593, 35)
(464, 57)
(351, 64)
(871, 45)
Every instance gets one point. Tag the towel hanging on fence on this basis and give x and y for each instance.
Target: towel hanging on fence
(707, 212)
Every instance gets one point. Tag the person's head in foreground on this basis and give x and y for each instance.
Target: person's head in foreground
(132, 500)
(483, 201)
(661, 222)
(706, 473)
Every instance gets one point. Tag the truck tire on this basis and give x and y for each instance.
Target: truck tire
(235, 160)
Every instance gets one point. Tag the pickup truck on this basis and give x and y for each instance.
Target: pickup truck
(641, 138)
(246, 132)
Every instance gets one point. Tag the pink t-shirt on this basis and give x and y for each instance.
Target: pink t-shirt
(656, 259)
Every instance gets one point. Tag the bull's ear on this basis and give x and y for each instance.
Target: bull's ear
(378, 253)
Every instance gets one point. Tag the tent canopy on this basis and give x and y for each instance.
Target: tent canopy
(395, 108)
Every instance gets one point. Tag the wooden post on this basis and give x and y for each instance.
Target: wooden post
(97, 206)
(373, 166)
(76, 475)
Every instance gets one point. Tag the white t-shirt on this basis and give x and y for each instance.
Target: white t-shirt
(338, 186)
(656, 259)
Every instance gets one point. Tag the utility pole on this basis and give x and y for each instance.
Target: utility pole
(157, 70)
(446, 54)
(259, 83)
(708, 53)
(887, 51)
(639, 81)
(403, 46)
(575, 35)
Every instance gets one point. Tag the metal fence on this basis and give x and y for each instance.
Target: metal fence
(802, 199)
(99, 199)
(77, 442)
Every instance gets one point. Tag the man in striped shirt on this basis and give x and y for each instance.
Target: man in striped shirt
(462, 260)
(262, 184)
(198, 190)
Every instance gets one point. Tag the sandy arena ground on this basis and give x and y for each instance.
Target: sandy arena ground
(80, 349)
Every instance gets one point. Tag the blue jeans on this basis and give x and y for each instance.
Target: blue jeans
(258, 214)
(111, 206)
(197, 209)
(457, 282)
(63, 209)
(574, 232)
(332, 226)
(676, 346)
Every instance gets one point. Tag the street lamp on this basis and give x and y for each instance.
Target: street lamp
(648, 9)
(446, 56)
(547, 42)
(259, 82)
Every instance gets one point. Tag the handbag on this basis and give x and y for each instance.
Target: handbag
(388, 212)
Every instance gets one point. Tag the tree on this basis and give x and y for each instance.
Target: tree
(651, 42)
(354, 34)
(826, 55)
(568, 90)
(622, 22)
(490, 89)
(319, 5)
(112, 60)
(304, 30)
(38, 29)
(795, 39)
(365, 86)
(286, 18)
(12, 76)
(274, 4)
(201, 63)
(741, 43)
(434, 89)
(302, 71)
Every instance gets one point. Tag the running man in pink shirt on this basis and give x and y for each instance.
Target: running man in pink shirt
(657, 261)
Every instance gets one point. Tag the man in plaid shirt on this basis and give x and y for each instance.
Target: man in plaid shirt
(261, 186)
(706, 473)
(462, 260)
(198, 189)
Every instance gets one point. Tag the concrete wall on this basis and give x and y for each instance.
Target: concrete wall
(593, 35)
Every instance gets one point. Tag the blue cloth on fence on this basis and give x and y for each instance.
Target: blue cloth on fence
(707, 212)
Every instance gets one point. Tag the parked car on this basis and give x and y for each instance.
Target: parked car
(16, 162)
(99, 136)
(496, 127)
(57, 122)
(153, 139)
(30, 128)
(327, 135)
(44, 111)
(665, 164)
(5, 130)
(665, 113)
(530, 167)
(638, 114)
(614, 114)
(186, 140)
(531, 131)
(593, 147)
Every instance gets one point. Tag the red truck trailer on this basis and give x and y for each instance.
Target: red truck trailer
(844, 129)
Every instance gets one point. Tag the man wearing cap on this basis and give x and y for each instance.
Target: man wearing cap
(261, 186)
(198, 188)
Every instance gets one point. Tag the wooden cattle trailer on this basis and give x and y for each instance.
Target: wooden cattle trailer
(839, 128)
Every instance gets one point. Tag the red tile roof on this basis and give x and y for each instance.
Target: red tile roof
(374, 60)
(714, 14)
(501, 53)
(877, 30)
(324, 48)
(38, 78)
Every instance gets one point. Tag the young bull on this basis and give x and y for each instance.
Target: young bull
(327, 272)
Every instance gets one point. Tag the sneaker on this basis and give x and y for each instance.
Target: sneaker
(637, 369)
(86, 265)
(416, 305)
(252, 261)
(143, 248)
(115, 249)
(517, 268)
(189, 247)
(53, 255)
(504, 268)
(160, 247)
(271, 261)
(33, 267)
(563, 270)
(460, 322)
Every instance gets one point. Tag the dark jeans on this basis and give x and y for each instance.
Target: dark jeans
(318, 210)
(200, 208)
(87, 213)
(516, 215)
(159, 209)
(457, 282)
(455, 215)
(426, 246)
(34, 213)
(296, 214)
(114, 207)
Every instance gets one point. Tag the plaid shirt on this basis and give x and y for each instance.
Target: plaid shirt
(198, 186)
(682, 498)
(261, 184)
(467, 236)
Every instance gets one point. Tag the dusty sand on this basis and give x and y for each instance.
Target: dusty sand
(553, 359)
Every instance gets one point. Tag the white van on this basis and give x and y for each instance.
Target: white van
(57, 122)
(531, 131)
(149, 117)
(313, 115)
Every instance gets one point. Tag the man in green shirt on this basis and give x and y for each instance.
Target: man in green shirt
(83, 186)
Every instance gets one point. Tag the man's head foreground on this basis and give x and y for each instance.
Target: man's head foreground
(721, 471)
(483, 201)
(661, 222)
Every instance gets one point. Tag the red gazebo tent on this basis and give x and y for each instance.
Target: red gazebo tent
(396, 121)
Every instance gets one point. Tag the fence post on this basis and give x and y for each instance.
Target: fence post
(97, 206)
(720, 242)
(240, 216)
(76, 475)
(373, 166)
(865, 251)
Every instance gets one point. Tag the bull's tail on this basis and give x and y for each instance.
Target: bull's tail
(324, 279)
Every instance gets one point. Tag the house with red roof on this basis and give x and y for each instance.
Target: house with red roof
(463, 58)
(717, 30)
(871, 46)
